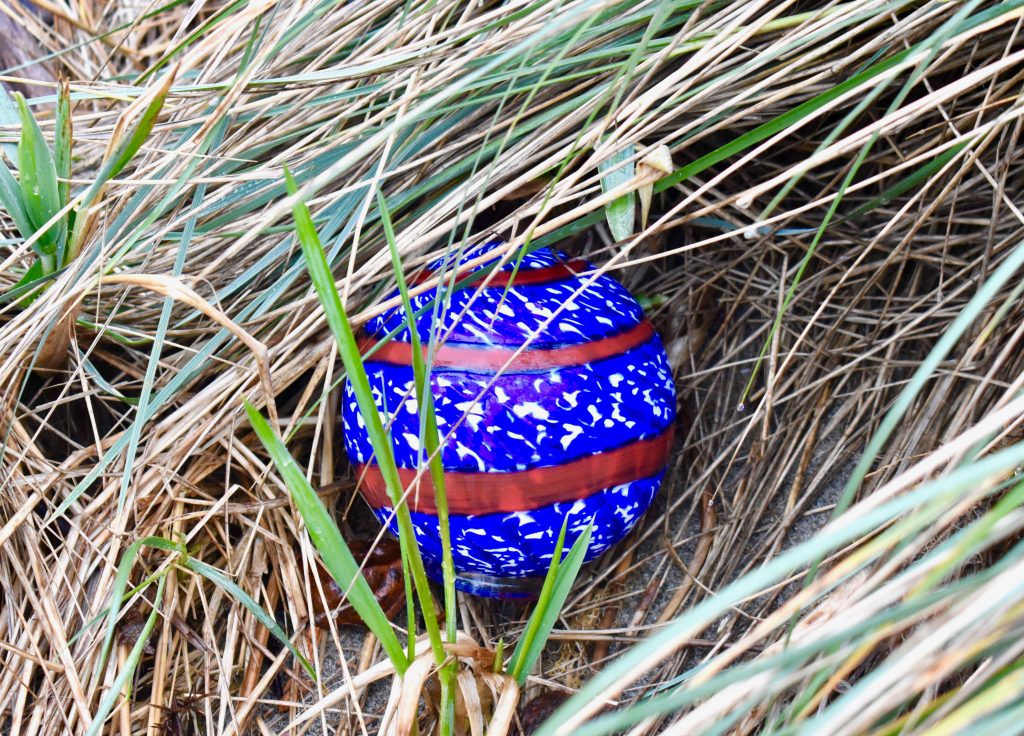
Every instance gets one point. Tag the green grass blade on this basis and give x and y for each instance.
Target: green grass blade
(348, 349)
(124, 569)
(27, 284)
(908, 182)
(515, 662)
(131, 143)
(337, 557)
(38, 179)
(103, 612)
(233, 589)
(11, 201)
(116, 161)
(111, 696)
(621, 211)
(429, 441)
(428, 418)
(139, 133)
(557, 584)
(780, 123)
(9, 118)
(337, 320)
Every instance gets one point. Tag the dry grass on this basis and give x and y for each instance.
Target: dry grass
(414, 99)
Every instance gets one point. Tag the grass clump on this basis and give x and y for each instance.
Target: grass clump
(835, 251)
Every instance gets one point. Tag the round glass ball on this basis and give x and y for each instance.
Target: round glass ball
(555, 404)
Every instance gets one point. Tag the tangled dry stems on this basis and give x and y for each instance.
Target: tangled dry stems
(418, 107)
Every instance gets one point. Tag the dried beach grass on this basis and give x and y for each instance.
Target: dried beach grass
(846, 180)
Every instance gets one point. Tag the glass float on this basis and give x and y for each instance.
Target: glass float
(554, 401)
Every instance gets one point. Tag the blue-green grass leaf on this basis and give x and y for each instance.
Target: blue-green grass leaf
(12, 202)
(9, 118)
(621, 211)
(124, 569)
(131, 662)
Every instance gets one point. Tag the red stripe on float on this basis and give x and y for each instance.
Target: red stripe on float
(502, 493)
(522, 277)
(492, 359)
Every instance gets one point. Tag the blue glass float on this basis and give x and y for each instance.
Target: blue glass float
(577, 426)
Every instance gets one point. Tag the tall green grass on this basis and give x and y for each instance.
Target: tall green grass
(39, 199)
(323, 529)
